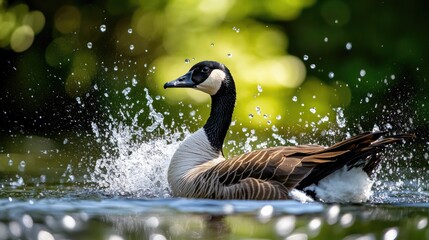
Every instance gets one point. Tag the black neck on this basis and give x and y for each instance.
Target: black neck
(219, 121)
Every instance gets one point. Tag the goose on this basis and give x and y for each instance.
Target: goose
(198, 168)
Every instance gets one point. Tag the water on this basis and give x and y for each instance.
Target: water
(90, 216)
(124, 193)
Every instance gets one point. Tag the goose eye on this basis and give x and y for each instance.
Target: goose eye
(205, 69)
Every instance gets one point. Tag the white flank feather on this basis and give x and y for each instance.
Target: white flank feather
(300, 196)
(353, 186)
(191, 155)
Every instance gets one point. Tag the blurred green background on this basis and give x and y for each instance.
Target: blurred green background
(79, 77)
(65, 64)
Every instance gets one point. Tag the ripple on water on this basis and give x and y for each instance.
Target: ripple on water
(177, 218)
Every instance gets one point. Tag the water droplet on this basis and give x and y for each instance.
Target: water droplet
(10, 162)
(228, 208)
(102, 28)
(278, 117)
(331, 75)
(130, 30)
(237, 30)
(422, 223)
(312, 66)
(156, 236)
(250, 115)
(294, 98)
(187, 60)
(362, 72)
(324, 119)
(315, 224)
(266, 212)
(43, 178)
(152, 222)
(332, 214)
(258, 110)
(131, 47)
(285, 225)
(349, 46)
(326, 39)
(27, 221)
(391, 234)
(347, 220)
(45, 235)
(21, 166)
(115, 68)
(313, 110)
(274, 128)
(305, 57)
(89, 45)
(259, 88)
(134, 82)
(69, 222)
(126, 91)
(392, 77)
(229, 55)
(211, 44)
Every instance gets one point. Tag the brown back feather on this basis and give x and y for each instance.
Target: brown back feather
(261, 172)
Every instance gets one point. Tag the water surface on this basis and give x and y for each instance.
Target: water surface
(111, 183)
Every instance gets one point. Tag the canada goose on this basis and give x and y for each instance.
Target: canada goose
(198, 168)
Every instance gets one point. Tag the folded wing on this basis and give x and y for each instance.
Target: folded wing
(271, 173)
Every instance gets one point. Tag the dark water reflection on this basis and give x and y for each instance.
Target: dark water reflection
(86, 214)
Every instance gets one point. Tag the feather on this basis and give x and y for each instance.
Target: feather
(273, 172)
(199, 170)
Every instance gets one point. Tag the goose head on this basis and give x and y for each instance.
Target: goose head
(214, 79)
(207, 76)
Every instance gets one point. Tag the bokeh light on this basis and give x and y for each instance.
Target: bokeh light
(18, 26)
(262, 43)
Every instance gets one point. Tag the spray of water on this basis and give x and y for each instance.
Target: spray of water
(135, 159)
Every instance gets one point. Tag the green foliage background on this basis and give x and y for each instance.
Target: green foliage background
(295, 62)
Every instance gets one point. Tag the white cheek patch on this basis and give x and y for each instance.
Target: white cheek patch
(212, 84)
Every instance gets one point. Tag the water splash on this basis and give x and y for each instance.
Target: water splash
(336, 187)
(135, 159)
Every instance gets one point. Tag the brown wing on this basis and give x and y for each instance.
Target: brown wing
(271, 173)
(264, 174)
(282, 164)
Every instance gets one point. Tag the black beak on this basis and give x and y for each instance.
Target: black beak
(184, 81)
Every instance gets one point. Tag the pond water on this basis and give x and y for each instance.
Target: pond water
(111, 184)
(71, 212)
